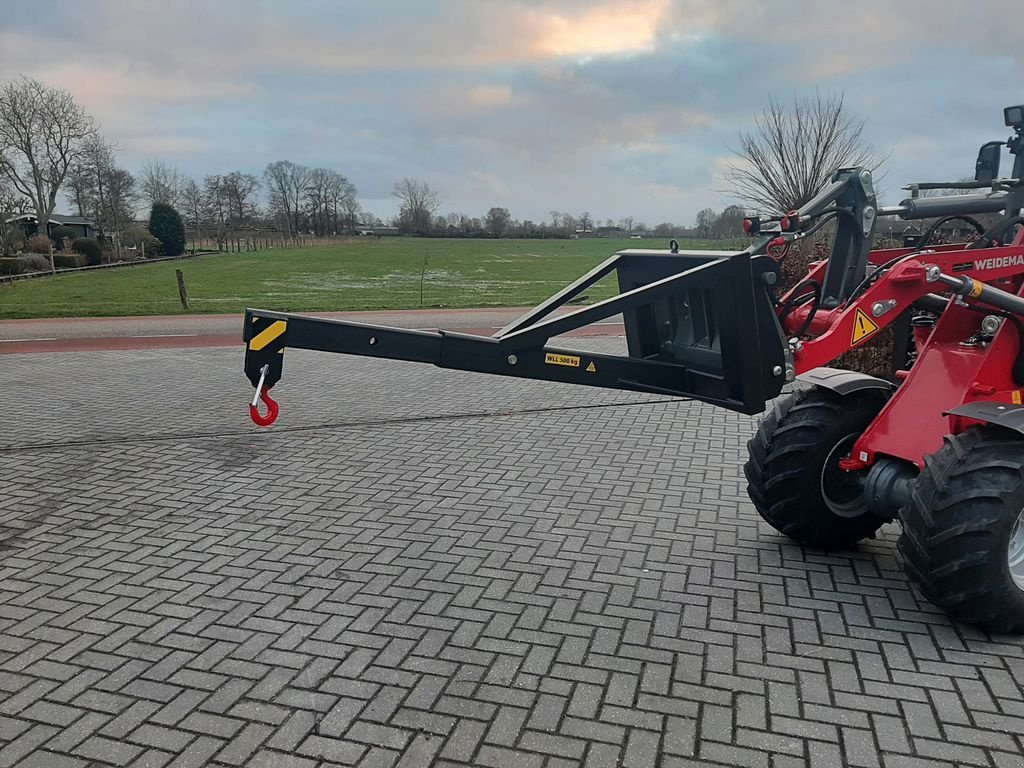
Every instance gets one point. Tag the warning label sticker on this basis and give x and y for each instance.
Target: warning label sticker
(591, 368)
(863, 326)
(570, 360)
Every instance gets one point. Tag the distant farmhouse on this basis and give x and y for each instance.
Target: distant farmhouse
(83, 227)
(368, 230)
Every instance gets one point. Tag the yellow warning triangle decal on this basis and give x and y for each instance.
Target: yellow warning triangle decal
(863, 326)
(591, 368)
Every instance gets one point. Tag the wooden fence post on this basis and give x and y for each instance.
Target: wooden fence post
(182, 293)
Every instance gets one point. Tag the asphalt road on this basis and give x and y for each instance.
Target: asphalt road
(155, 332)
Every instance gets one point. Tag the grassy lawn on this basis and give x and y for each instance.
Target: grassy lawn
(363, 274)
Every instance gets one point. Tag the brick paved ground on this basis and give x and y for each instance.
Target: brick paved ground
(582, 584)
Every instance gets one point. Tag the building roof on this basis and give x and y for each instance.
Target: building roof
(57, 218)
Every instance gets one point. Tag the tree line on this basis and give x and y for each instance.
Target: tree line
(49, 147)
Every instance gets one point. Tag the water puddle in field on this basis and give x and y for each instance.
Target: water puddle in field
(305, 283)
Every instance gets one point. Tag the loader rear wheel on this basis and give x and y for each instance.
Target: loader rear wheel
(963, 529)
(793, 470)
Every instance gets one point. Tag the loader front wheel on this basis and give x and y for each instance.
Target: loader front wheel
(793, 470)
(963, 529)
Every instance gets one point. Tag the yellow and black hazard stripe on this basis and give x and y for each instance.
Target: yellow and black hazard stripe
(268, 335)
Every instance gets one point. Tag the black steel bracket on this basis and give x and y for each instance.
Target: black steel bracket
(699, 324)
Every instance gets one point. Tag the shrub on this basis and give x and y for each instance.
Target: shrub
(166, 225)
(68, 260)
(10, 265)
(38, 244)
(133, 233)
(62, 233)
(149, 245)
(90, 249)
(35, 262)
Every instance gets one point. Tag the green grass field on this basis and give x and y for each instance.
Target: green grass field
(363, 274)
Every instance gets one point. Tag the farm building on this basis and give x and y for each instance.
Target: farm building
(83, 227)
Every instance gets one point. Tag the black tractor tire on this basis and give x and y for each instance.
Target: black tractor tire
(793, 458)
(958, 525)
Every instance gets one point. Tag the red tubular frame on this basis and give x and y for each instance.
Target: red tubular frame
(948, 372)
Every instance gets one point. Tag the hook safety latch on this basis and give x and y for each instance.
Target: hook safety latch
(262, 393)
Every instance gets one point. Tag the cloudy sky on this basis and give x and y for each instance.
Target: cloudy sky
(617, 108)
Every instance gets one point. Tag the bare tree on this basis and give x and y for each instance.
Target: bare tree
(705, 221)
(11, 205)
(192, 195)
(627, 224)
(217, 208)
(42, 131)
(121, 200)
(239, 189)
(729, 223)
(286, 183)
(794, 150)
(81, 187)
(353, 211)
(161, 183)
(107, 192)
(497, 221)
(341, 197)
(317, 196)
(419, 203)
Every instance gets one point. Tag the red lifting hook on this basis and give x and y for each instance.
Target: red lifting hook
(272, 409)
(262, 394)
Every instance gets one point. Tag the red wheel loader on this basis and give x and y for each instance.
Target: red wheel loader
(938, 446)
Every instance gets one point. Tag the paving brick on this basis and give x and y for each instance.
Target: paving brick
(499, 757)
(421, 751)
(44, 759)
(241, 747)
(378, 735)
(604, 756)
(166, 739)
(376, 758)
(213, 725)
(463, 741)
(129, 719)
(266, 758)
(860, 748)
(109, 751)
(334, 750)
(641, 748)
(548, 744)
(292, 732)
(52, 714)
(735, 756)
